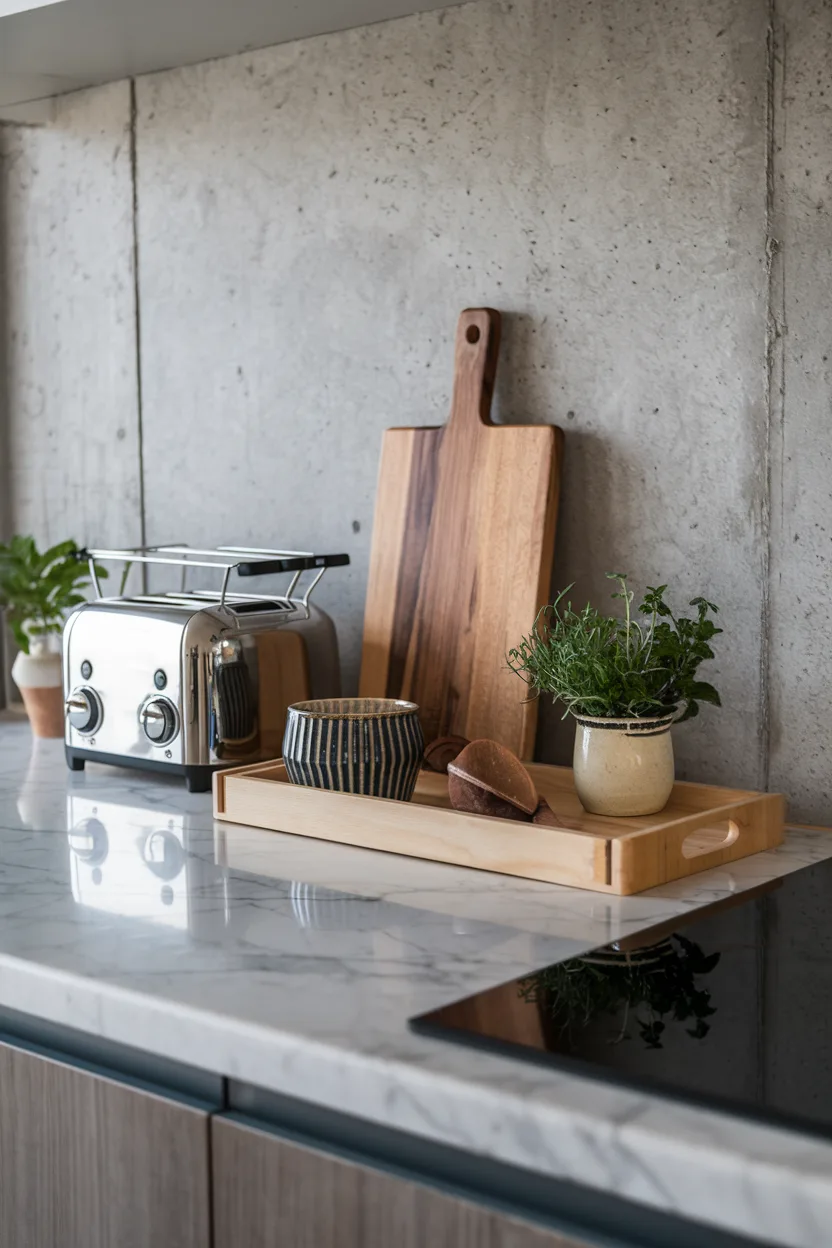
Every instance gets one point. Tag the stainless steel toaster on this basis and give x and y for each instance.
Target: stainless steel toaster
(188, 681)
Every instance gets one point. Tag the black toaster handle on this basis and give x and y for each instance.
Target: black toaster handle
(297, 563)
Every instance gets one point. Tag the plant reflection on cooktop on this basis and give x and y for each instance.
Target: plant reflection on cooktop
(634, 989)
(732, 1007)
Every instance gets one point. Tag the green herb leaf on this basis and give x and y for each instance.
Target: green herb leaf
(604, 665)
(37, 589)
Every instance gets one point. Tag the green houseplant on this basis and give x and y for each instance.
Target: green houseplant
(37, 589)
(625, 679)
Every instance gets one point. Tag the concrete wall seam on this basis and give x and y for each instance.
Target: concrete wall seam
(137, 303)
(773, 363)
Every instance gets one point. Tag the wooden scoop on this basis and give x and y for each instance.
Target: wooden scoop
(487, 779)
(443, 751)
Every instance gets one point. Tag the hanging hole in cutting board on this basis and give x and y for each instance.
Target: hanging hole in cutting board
(472, 333)
(705, 840)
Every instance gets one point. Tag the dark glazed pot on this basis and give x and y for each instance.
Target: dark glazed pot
(372, 746)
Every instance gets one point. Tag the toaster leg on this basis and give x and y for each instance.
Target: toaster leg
(73, 763)
(198, 779)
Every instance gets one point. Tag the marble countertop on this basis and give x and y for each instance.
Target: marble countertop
(294, 965)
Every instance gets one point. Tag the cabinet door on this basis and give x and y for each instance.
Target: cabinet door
(88, 1162)
(270, 1193)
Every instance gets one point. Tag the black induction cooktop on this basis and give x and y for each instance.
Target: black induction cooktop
(732, 1007)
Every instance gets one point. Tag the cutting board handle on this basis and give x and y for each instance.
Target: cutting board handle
(475, 367)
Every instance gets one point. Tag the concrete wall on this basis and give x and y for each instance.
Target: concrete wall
(801, 430)
(311, 218)
(68, 320)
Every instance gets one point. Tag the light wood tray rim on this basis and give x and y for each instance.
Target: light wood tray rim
(621, 856)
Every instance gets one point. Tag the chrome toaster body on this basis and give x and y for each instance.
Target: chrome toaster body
(189, 682)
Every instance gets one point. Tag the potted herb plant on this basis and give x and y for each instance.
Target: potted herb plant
(625, 681)
(36, 591)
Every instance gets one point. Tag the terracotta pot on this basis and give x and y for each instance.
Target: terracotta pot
(45, 708)
(624, 766)
(39, 678)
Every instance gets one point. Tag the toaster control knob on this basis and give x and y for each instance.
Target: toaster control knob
(84, 710)
(159, 720)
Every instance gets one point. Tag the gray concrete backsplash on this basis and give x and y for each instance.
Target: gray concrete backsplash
(222, 283)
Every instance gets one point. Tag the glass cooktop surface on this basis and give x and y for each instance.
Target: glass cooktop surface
(732, 1007)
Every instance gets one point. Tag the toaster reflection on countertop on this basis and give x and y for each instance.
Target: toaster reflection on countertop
(128, 861)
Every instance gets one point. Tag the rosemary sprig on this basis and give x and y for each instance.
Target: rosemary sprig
(603, 665)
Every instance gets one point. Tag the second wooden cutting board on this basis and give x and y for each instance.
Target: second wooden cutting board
(463, 541)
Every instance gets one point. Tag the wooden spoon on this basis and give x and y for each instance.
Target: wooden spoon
(487, 779)
(443, 751)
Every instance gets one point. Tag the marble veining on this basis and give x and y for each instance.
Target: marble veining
(295, 965)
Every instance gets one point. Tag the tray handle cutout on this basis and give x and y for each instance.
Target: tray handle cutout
(706, 840)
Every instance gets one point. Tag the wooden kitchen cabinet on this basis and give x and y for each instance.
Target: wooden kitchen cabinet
(269, 1192)
(87, 1161)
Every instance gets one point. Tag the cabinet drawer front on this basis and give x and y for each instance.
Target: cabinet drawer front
(271, 1193)
(87, 1161)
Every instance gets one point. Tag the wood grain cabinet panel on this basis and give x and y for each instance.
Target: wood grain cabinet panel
(89, 1162)
(270, 1193)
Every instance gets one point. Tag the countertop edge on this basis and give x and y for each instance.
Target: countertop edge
(643, 1151)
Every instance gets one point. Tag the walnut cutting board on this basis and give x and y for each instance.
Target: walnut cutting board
(463, 541)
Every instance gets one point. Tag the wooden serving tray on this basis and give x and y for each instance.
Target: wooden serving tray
(701, 827)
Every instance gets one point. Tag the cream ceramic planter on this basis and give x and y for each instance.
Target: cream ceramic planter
(623, 766)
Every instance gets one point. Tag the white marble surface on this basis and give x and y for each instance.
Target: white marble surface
(295, 965)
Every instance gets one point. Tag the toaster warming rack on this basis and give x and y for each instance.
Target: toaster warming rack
(246, 561)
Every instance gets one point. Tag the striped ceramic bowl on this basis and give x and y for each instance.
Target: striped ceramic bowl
(355, 745)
